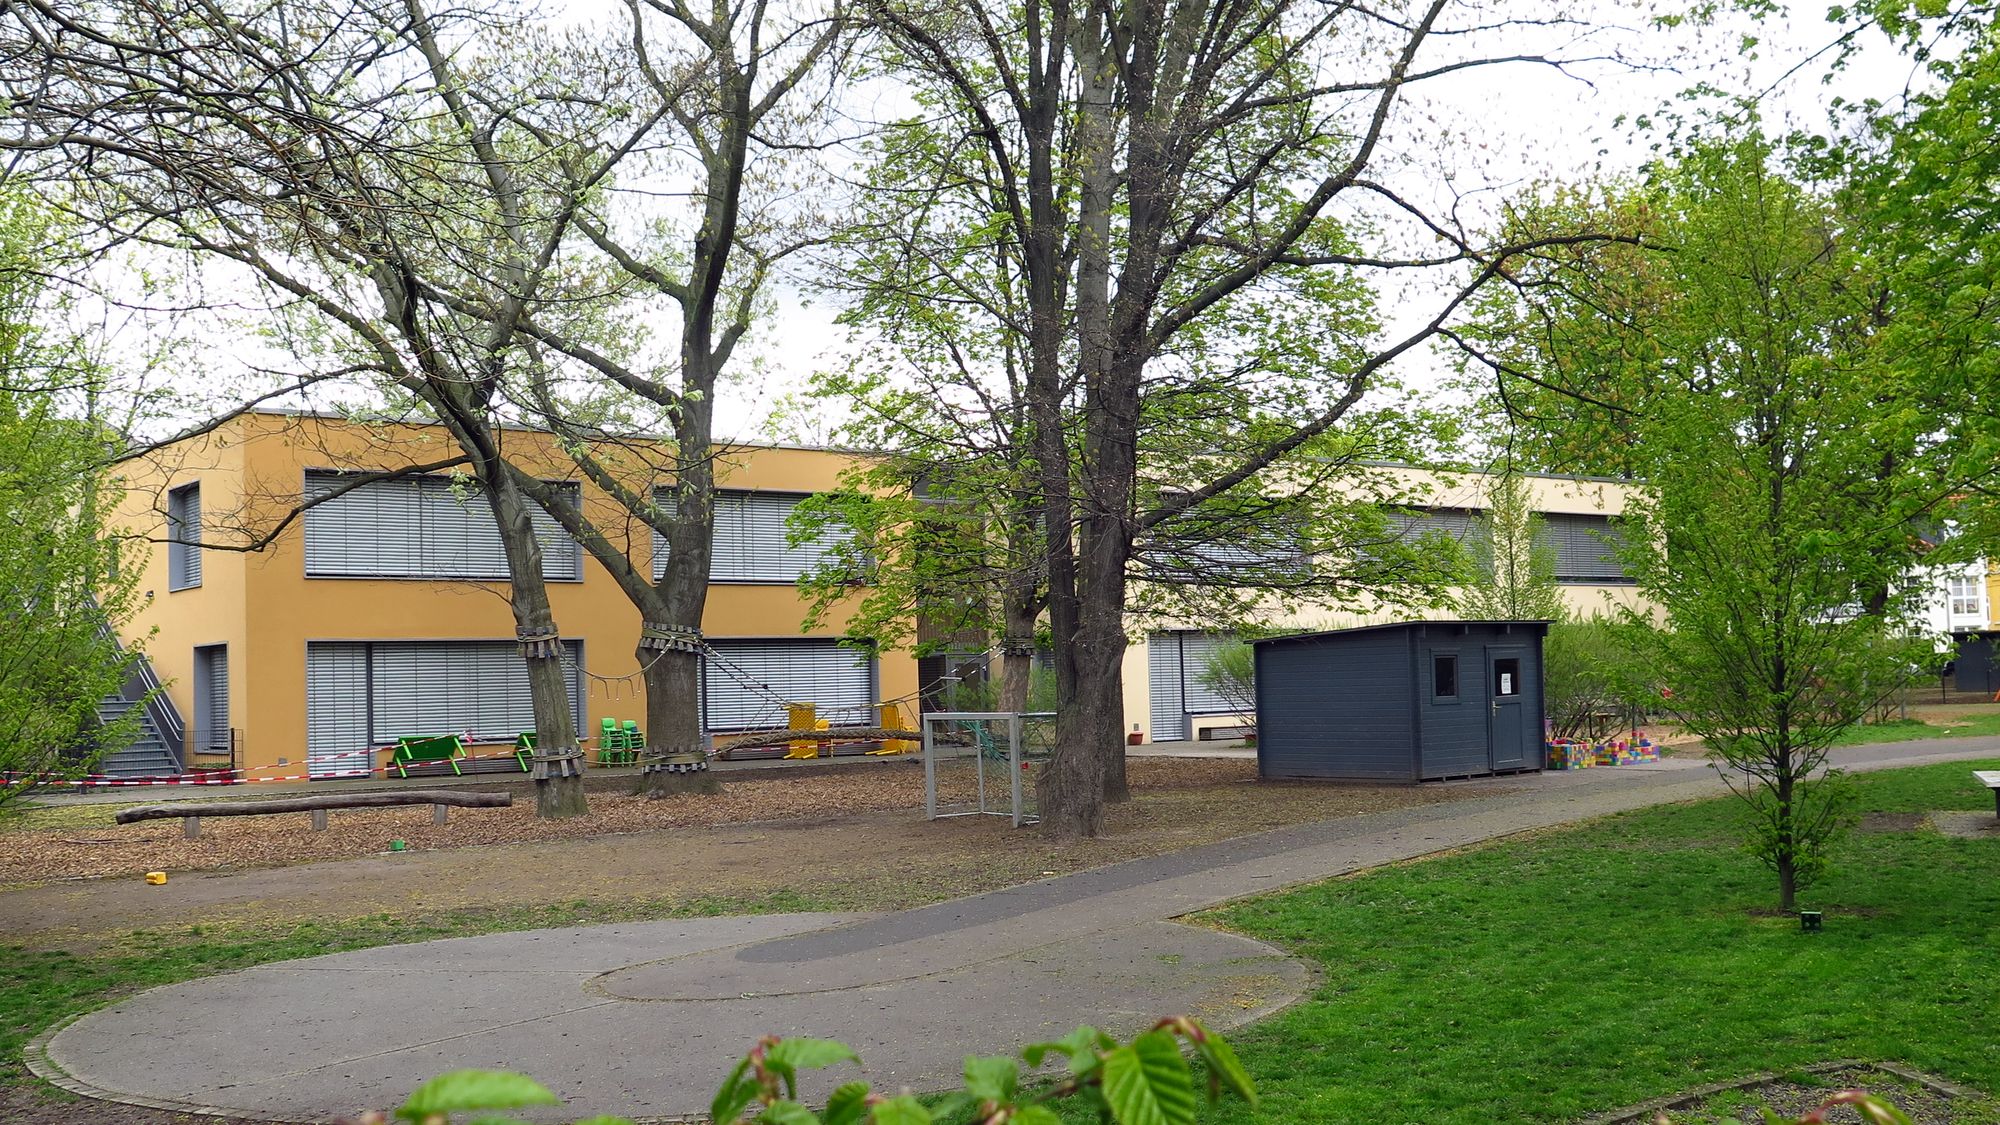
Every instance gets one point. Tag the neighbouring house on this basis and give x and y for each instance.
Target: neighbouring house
(1165, 696)
(383, 612)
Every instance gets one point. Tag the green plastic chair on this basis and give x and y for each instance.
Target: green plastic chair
(524, 747)
(635, 741)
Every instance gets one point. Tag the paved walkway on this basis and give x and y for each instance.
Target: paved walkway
(645, 1019)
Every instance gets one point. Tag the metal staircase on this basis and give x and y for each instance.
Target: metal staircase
(154, 750)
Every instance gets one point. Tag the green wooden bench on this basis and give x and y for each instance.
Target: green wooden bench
(412, 750)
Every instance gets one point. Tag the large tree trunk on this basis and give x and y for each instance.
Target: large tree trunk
(676, 754)
(676, 759)
(558, 759)
(1017, 648)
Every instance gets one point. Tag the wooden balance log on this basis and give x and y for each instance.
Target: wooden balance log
(191, 812)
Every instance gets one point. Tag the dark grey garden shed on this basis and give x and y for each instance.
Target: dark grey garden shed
(1406, 702)
(1976, 668)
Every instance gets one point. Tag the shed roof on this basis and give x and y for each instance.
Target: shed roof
(1539, 627)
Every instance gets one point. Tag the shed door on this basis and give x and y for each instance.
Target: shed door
(1506, 672)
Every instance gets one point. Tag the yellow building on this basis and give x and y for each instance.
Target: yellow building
(384, 612)
(1166, 699)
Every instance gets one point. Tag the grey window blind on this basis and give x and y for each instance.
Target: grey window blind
(211, 697)
(746, 684)
(363, 694)
(184, 535)
(751, 543)
(1163, 677)
(1196, 651)
(337, 709)
(1586, 547)
(422, 527)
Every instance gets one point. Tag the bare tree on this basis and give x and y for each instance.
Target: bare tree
(731, 84)
(1167, 169)
(381, 169)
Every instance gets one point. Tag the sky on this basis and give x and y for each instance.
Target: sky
(1489, 135)
(1466, 144)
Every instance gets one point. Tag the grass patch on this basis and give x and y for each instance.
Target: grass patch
(1907, 730)
(40, 988)
(1576, 972)
(37, 818)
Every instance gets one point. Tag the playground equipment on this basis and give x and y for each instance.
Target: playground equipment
(807, 736)
(980, 763)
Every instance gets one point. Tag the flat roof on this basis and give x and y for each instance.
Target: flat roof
(1540, 626)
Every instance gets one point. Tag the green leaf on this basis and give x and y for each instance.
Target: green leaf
(788, 1113)
(1222, 1063)
(737, 1092)
(456, 1091)
(848, 1105)
(1148, 1083)
(1081, 1044)
(991, 1077)
(809, 1054)
(1036, 1115)
(902, 1110)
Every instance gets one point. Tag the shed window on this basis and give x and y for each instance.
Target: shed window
(1507, 676)
(1444, 676)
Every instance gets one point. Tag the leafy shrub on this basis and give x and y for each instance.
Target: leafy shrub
(1148, 1081)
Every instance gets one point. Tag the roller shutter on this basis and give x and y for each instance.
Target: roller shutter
(360, 695)
(337, 709)
(1586, 547)
(751, 541)
(1175, 663)
(184, 537)
(1163, 676)
(422, 527)
(211, 697)
(746, 684)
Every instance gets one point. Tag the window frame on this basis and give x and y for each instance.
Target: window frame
(183, 553)
(1457, 678)
(574, 574)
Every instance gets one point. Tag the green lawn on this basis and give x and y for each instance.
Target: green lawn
(1579, 971)
(1905, 730)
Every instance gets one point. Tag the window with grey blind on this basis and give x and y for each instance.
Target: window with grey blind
(1176, 663)
(746, 684)
(363, 694)
(751, 542)
(422, 527)
(184, 537)
(211, 698)
(1586, 548)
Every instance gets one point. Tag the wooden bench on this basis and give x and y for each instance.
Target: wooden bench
(1991, 780)
(412, 750)
(190, 812)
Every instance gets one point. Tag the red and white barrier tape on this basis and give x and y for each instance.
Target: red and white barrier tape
(205, 777)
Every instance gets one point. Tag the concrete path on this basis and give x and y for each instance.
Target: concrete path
(645, 1019)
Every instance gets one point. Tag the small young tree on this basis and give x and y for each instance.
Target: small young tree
(63, 595)
(1232, 674)
(1585, 680)
(1783, 473)
(1517, 568)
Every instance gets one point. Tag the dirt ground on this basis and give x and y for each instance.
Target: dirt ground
(850, 839)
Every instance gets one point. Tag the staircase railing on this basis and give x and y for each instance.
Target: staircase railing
(142, 683)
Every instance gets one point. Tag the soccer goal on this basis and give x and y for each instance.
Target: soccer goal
(983, 763)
